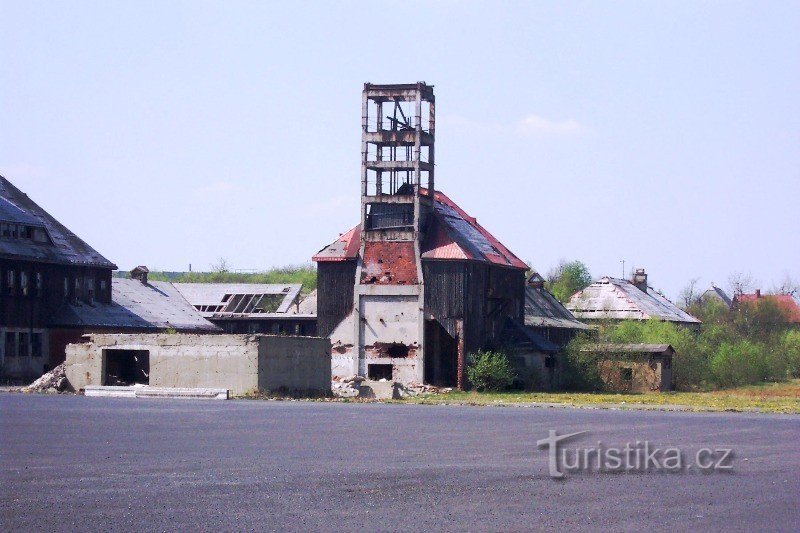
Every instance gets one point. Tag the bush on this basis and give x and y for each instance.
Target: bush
(490, 371)
(581, 371)
(790, 351)
(739, 363)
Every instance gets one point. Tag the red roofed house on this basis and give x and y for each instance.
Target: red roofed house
(418, 284)
(785, 302)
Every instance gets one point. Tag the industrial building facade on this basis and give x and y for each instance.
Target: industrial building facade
(418, 284)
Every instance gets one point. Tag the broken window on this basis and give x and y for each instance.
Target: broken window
(126, 367)
(36, 344)
(549, 362)
(39, 285)
(11, 281)
(11, 343)
(22, 345)
(379, 371)
(23, 282)
(626, 374)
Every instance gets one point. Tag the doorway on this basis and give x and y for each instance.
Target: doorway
(126, 367)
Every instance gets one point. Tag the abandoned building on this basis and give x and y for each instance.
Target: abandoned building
(241, 364)
(253, 307)
(716, 294)
(418, 284)
(785, 302)
(548, 317)
(634, 367)
(612, 299)
(43, 266)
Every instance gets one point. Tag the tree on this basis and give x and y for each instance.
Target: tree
(567, 278)
(220, 266)
(740, 283)
(689, 295)
(787, 286)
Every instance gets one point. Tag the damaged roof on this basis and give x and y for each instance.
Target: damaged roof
(63, 246)
(453, 235)
(619, 299)
(240, 300)
(135, 305)
(542, 309)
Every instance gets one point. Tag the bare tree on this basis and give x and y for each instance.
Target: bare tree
(689, 294)
(221, 265)
(787, 286)
(740, 283)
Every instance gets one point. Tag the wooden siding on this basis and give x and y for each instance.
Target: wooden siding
(335, 285)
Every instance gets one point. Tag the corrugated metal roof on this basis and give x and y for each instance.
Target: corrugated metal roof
(542, 309)
(453, 235)
(135, 305)
(628, 348)
(66, 248)
(221, 295)
(619, 299)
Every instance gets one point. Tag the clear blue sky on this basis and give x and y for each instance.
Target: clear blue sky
(167, 133)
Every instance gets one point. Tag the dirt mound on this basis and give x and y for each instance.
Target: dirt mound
(54, 381)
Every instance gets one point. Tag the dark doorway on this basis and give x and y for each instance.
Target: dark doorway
(380, 371)
(126, 367)
(441, 356)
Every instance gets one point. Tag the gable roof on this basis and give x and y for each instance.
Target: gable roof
(785, 301)
(66, 247)
(453, 235)
(718, 294)
(542, 309)
(619, 299)
(135, 305)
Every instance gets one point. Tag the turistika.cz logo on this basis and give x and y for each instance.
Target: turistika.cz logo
(637, 456)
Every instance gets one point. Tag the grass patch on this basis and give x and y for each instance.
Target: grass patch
(781, 397)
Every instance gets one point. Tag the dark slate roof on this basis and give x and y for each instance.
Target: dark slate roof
(543, 310)
(519, 338)
(135, 305)
(66, 248)
(717, 293)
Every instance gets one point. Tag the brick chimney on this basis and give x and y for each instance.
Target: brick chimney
(140, 273)
(640, 279)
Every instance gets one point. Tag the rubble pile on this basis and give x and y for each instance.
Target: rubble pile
(51, 382)
(349, 388)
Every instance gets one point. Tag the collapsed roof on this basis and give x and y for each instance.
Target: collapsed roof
(241, 300)
(31, 233)
(619, 299)
(452, 235)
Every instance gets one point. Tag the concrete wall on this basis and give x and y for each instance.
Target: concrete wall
(647, 375)
(240, 363)
(25, 361)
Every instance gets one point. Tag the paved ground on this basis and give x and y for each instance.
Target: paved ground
(69, 462)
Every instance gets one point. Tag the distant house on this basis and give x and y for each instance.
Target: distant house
(618, 299)
(714, 293)
(785, 302)
(253, 307)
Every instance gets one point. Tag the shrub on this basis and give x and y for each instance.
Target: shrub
(490, 371)
(739, 363)
(790, 351)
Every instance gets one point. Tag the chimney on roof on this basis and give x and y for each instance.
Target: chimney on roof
(758, 293)
(536, 281)
(140, 273)
(640, 279)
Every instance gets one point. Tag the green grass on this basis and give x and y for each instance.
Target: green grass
(769, 397)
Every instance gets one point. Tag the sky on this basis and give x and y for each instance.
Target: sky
(664, 134)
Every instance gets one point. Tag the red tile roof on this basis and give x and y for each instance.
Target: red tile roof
(784, 301)
(453, 235)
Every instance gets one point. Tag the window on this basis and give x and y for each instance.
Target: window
(11, 281)
(90, 290)
(12, 230)
(22, 345)
(4, 229)
(39, 285)
(23, 282)
(77, 293)
(103, 286)
(11, 343)
(626, 374)
(36, 344)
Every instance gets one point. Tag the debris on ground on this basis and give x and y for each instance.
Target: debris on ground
(349, 388)
(51, 382)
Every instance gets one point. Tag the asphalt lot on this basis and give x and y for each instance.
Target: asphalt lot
(70, 462)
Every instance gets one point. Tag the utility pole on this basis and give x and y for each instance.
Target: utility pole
(623, 268)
